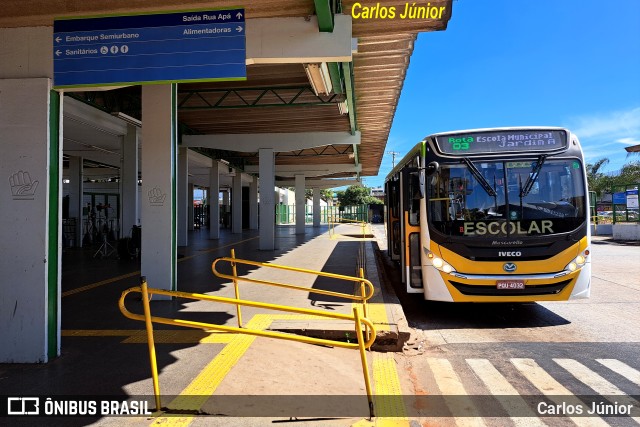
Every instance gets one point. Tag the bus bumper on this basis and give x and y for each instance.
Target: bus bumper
(483, 288)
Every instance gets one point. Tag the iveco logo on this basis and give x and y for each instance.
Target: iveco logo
(509, 253)
(509, 267)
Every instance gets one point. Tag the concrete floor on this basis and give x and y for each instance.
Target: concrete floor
(104, 354)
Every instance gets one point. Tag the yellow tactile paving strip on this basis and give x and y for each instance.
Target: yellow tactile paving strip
(98, 284)
(377, 313)
(195, 395)
(204, 385)
(387, 399)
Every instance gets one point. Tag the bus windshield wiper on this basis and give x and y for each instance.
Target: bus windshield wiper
(533, 176)
(476, 173)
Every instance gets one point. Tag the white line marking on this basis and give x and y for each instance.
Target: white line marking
(450, 385)
(623, 369)
(552, 388)
(597, 383)
(499, 386)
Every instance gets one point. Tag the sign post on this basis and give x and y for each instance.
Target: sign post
(149, 49)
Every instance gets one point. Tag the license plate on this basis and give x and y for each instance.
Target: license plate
(510, 284)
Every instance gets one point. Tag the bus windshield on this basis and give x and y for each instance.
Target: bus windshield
(507, 198)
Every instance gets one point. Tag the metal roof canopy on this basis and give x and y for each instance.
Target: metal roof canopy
(372, 82)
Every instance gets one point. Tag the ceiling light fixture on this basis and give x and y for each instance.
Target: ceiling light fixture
(319, 78)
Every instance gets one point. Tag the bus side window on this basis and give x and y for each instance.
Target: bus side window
(414, 198)
(395, 229)
(395, 203)
(436, 190)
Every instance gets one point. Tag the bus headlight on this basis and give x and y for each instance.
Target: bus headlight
(578, 262)
(439, 263)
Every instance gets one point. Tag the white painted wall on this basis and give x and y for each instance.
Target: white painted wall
(601, 229)
(159, 158)
(310, 202)
(26, 52)
(285, 196)
(26, 55)
(24, 228)
(626, 231)
(296, 40)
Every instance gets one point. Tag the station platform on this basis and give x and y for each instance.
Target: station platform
(219, 378)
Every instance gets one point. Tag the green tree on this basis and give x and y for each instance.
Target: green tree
(374, 201)
(326, 195)
(356, 195)
(629, 174)
(597, 180)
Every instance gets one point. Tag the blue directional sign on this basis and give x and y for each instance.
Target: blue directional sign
(155, 48)
(619, 198)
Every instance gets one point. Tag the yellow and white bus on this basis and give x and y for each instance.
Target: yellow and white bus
(492, 215)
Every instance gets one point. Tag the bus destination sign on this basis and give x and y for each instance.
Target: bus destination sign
(507, 141)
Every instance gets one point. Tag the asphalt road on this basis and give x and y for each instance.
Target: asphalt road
(462, 359)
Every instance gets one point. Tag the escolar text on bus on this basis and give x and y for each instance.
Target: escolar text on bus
(514, 227)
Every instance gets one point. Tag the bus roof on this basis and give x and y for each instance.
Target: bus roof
(407, 158)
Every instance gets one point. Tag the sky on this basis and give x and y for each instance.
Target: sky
(570, 63)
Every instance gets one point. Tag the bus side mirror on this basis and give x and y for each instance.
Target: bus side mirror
(433, 167)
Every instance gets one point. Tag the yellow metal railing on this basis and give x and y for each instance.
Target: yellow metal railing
(365, 336)
(361, 260)
(603, 219)
(363, 285)
(335, 221)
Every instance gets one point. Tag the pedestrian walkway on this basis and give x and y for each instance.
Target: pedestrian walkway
(222, 379)
(213, 373)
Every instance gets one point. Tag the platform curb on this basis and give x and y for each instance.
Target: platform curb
(390, 338)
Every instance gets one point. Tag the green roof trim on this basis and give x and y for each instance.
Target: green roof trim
(325, 16)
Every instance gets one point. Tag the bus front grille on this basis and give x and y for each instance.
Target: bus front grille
(491, 290)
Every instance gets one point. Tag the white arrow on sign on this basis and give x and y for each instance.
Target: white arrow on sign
(239, 29)
(58, 53)
(239, 15)
(58, 39)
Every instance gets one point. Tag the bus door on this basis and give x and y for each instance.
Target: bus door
(394, 239)
(411, 200)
